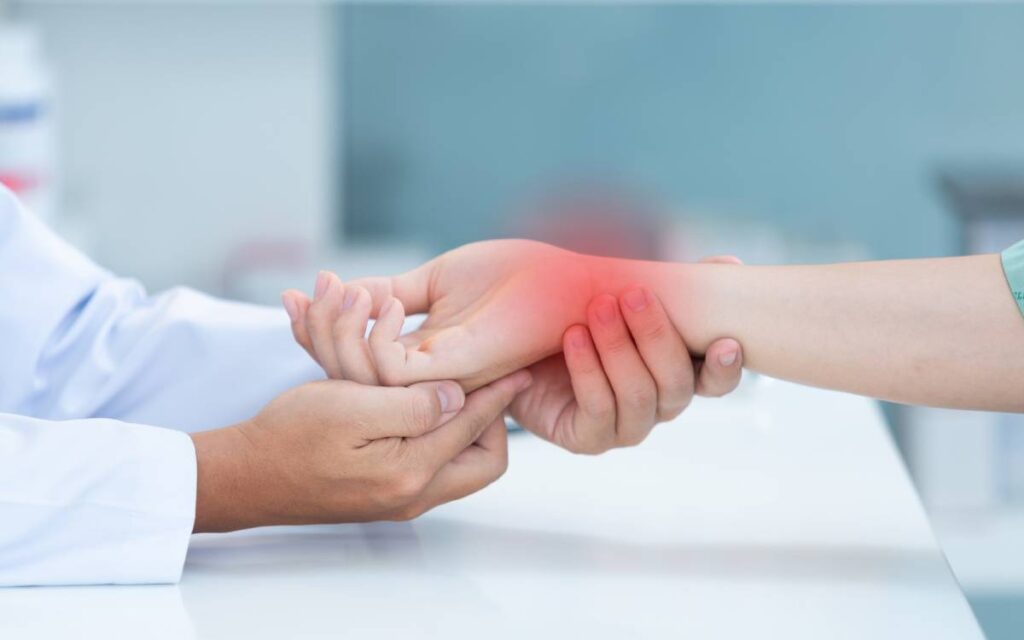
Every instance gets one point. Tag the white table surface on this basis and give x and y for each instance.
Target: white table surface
(780, 512)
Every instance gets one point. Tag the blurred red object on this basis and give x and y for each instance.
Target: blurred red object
(606, 224)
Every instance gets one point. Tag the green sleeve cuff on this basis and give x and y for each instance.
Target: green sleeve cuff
(1013, 267)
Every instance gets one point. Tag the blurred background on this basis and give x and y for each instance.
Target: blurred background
(239, 147)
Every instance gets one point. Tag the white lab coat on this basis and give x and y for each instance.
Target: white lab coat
(98, 383)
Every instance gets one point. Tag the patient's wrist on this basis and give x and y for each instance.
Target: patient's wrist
(695, 296)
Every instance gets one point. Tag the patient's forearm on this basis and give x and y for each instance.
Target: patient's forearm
(942, 332)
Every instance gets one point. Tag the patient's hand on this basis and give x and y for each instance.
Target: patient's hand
(493, 307)
(607, 388)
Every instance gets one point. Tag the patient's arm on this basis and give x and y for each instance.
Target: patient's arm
(943, 332)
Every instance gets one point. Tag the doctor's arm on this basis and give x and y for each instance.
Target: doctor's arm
(98, 501)
(90, 493)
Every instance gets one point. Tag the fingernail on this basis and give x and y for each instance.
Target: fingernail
(322, 281)
(578, 337)
(384, 308)
(727, 358)
(606, 311)
(450, 396)
(635, 299)
(350, 298)
(290, 306)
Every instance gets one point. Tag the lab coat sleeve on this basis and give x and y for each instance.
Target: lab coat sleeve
(93, 501)
(91, 489)
(79, 342)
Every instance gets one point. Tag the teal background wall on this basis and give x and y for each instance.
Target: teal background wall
(824, 120)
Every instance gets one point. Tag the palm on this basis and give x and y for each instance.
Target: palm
(548, 406)
(493, 308)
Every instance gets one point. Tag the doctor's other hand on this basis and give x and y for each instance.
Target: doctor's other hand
(608, 387)
(337, 451)
(621, 374)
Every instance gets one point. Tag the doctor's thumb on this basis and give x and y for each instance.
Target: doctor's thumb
(449, 394)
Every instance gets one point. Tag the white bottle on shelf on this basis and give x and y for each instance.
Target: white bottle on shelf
(27, 142)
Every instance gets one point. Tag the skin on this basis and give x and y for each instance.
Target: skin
(337, 451)
(354, 451)
(941, 332)
(606, 385)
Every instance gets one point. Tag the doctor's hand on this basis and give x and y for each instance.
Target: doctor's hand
(612, 382)
(337, 451)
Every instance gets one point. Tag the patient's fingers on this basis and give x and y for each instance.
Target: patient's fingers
(412, 288)
(354, 357)
(296, 304)
(589, 426)
(397, 362)
(388, 352)
(320, 319)
(421, 355)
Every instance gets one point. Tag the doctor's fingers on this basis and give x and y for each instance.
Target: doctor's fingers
(662, 350)
(588, 425)
(383, 413)
(722, 368)
(485, 405)
(297, 304)
(475, 467)
(636, 394)
(353, 353)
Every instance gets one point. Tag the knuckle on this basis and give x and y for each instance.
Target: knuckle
(318, 312)
(672, 407)
(676, 380)
(633, 437)
(340, 324)
(593, 445)
(617, 342)
(409, 512)
(669, 411)
(387, 374)
(652, 331)
(641, 396)
(420, 411)
(406, 486)
(601, 410)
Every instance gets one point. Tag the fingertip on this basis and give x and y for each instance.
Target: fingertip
(729, 353)
(635, 298)
(576, 338)
(290, 305)
(603, 310)
(451, 396)
(322, 280)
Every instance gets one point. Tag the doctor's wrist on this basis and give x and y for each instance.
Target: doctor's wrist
(224, 499)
